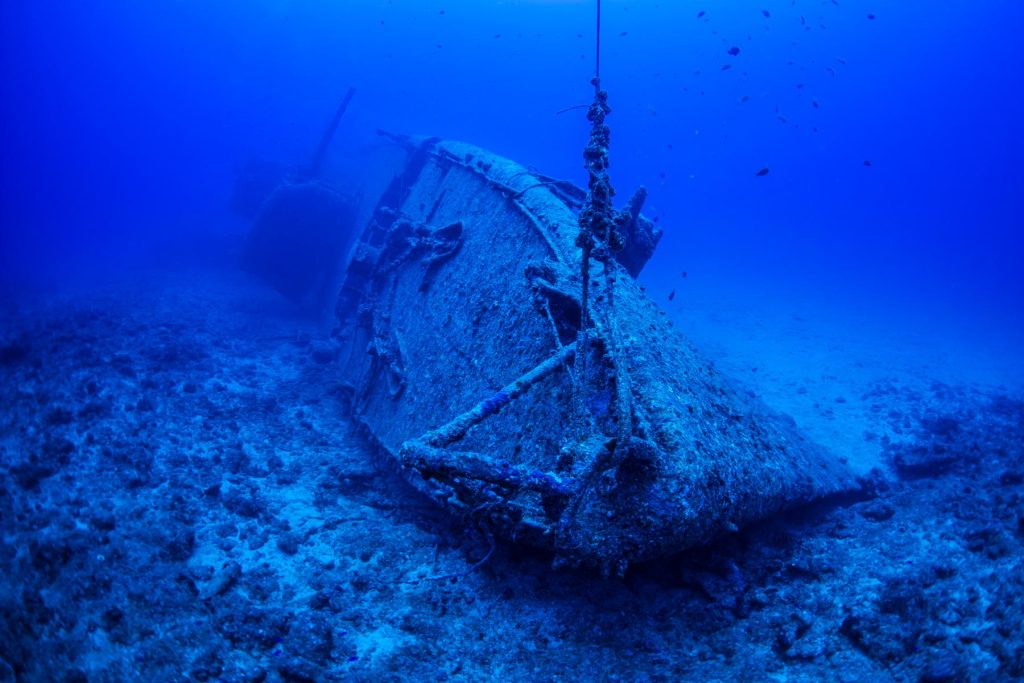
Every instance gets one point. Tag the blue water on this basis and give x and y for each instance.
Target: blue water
(124, 122)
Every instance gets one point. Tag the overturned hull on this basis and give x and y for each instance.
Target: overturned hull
(460, 317)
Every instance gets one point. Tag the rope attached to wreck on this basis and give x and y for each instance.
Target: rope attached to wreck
(598, 238)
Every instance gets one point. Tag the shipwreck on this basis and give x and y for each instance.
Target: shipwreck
(495, 345)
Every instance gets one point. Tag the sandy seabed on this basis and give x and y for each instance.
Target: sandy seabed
(182, 498)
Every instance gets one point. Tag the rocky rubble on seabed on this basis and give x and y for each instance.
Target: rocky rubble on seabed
(181, 499)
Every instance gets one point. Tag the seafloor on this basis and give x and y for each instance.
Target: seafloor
(182, 499)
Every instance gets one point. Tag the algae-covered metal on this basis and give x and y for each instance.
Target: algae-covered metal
(459, 318)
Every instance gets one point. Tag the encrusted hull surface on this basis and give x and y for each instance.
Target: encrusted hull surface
(459, 316)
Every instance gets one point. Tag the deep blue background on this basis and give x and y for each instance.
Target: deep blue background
(123, 123)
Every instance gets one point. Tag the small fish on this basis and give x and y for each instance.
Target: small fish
(734, 51)
(701, 14)
(867, 162)
(624, 33)
(726, 67)
(783, 119)
(871, 16)
(814, 103)
(672, 295)
(745, 98)
(766, 13)
(763, 172)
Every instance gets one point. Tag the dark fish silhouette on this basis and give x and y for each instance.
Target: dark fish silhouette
(867, 162)
(700, 14)
(672, 295)
(763, 171)
(734, 51)
(766, 13)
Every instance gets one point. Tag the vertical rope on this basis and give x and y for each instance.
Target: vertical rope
(592, 228)
(599, 239)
